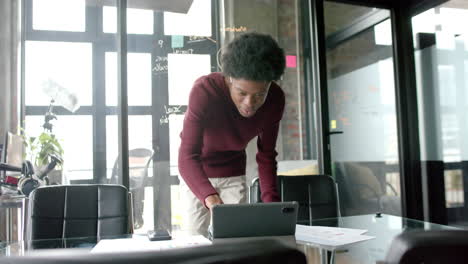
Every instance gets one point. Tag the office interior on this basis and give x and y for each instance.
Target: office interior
(375, 92)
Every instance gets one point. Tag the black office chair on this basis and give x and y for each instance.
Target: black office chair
(63, 211)
(259, 252)
(317, 195)
(428, 247)
(139, 162)
(362, 192)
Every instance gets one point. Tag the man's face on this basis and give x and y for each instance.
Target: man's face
(248, 96)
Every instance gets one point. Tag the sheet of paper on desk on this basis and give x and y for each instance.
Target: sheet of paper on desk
(143, 243)
(330, 236)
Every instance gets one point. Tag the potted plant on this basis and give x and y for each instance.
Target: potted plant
(42, 148)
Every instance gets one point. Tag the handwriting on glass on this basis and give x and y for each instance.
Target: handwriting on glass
(160, 64)
(193, 39)
(234, 29)
(181, 51)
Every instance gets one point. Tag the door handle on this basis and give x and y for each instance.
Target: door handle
(335, 132)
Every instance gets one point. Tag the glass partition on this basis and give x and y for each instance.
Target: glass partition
(362, 109)
(441, 58)
(71, 58)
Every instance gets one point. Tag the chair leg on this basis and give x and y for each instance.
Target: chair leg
(130, 213)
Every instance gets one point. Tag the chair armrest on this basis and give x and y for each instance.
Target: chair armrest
(254, 191)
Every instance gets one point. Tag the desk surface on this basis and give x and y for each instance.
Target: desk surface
(20, 248)
(384, 228)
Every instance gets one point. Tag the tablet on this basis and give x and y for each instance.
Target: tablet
(257, 219)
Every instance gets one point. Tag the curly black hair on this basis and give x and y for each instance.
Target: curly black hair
(253, 56)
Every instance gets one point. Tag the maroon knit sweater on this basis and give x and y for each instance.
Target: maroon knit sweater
(215, 135)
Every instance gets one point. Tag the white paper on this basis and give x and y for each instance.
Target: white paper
(328, 230)
(330, 237)
(144, 244)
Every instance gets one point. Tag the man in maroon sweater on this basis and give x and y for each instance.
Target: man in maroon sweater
(225, 111)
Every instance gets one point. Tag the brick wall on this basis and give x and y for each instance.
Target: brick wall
(293, 123)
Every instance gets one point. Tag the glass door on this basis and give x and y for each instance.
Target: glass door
(441, 59)
(361, 105)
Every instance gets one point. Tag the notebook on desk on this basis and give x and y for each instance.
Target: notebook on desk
(253, 220)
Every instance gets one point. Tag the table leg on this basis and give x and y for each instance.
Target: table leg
(327, 257)
(323, 256)
(9, 225)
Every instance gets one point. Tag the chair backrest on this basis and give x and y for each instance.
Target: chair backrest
(63, 211)
(139, 160)
(431, 246)
(317, 195)
(258, 251)
(361, 191)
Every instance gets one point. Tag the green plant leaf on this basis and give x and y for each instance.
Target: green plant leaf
(43, 147)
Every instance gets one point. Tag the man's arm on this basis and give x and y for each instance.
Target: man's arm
(266, 160)
(190, 166)
(266, 155)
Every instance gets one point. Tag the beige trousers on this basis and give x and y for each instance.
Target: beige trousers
(196, 217)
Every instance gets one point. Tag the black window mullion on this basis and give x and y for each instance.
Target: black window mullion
(140, 43)
(58, 110)
(132, 110)
(407, 114)
(99, 116)
(319, 88)
(93, 24)
(308, 92)
(160, 98)
(122, 91)
(215, 25)
(93, 30)
(28, 12)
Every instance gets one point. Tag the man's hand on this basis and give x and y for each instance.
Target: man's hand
(212, 200)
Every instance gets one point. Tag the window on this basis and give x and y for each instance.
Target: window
(71, 62)
(70, 14)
